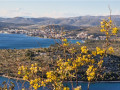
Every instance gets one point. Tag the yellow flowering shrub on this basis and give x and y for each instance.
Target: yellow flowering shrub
(108, 28)
(30, 74)
(67, 66)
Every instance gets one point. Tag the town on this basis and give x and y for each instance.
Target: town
(52, 33)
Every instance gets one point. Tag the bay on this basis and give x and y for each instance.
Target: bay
(21, 41)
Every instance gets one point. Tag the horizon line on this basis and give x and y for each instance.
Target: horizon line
(57, 17)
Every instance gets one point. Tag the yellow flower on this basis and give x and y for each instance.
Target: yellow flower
(36, 64)
(68, 60)
(36, 80)
(32, 69)
(97, 49)
(94, 53)
(106, 24)
(100, 51)
(19, 72)
(101, 22)
(84, 49)
(31, 82)
(35, 70)
(22, 67)
(100, 63)
(78, 43)
(66, 88)
(42, 84)
(102, 30)
(102, 26)
(72, 50)
(89, 56)
(65, 44)
(64, 40)
(32, 65)
(114, 31)
(107, 33)
(40, 69)
(48, 80)
(110, 21)
(90, 72)
(36, 86)
(49, 74)
(92, 61)
(111, 50)
(25, 77)
(78, 88)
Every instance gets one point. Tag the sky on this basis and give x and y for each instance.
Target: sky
(58, 8)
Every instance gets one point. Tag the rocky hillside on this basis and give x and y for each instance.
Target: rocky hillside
(74, 21)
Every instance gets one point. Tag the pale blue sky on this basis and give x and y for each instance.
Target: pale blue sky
(57, 8)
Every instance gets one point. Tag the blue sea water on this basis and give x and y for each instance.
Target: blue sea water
(21, 41)
(93, 86)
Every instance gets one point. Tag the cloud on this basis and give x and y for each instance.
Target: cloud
(55, 14)
(17, 12)
(20, 12)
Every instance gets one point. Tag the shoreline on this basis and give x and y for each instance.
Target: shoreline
(15, 78)
(41, 37)
(64, 81)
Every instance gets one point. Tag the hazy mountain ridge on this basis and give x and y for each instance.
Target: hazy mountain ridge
(74, 21)
(12, 25)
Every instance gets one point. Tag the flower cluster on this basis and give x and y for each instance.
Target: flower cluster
(108, 27)
(100, 51)
(78, 43)
(111, 50)
(66, 88)
(65, 42)
(91, 72)
(84, 49)
(30, 74)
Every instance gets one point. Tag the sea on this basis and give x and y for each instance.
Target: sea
(22, 41)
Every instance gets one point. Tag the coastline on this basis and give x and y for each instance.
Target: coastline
(15, 78)
(64, 81)
(41, 37)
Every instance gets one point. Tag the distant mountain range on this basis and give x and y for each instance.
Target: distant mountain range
(73, 21)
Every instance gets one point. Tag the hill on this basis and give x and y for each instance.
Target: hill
(74, 21)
